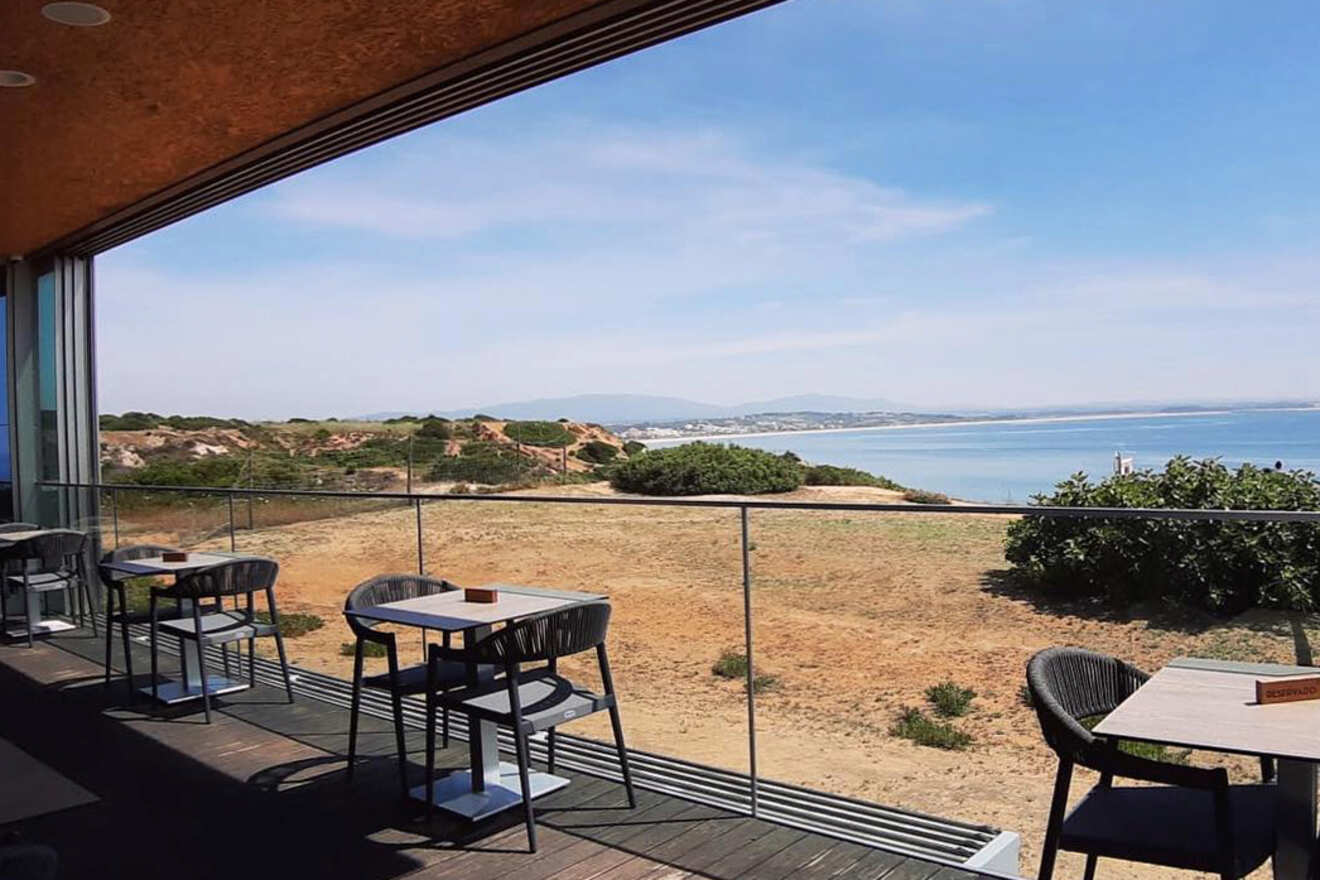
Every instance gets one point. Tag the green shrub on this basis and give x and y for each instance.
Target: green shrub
(129, 421)
(598, 452)
(1225, 567)
(1149, 751)
(539, 433)
(914, 725)
(732, 664)
(294, 623)
(706, 469)
(829, 475)
(369, 649)
(762, 682)
(633, 447)
(921, 496)
(950, 700)
(435, 429)
(483, 463)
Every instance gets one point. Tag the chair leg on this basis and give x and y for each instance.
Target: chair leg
(224, 659)
(444, 721)
(1054, 830)
(109, 632)
(201, 671)
(524, 780)
(128, 657)
(430, 745)
(550, 750)
(623, 756)
(155, 660)
(1090, 867)
(30, 606)
(252, 662)
(354, 709)
(396, 700)
(284, 665)
(91, 609)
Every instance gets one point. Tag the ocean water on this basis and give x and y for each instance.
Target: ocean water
(1009, 462)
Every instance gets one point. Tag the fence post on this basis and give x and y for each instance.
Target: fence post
(751, 666)
(233, 544)
(114, 507)
(421, 558)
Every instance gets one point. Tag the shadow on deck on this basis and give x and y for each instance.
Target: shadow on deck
(262, 793)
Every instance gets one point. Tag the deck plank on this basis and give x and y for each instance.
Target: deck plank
(281, 766)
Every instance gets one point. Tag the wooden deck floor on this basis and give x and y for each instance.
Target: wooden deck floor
(262, 793)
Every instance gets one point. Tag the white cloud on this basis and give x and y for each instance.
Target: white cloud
(619, 183)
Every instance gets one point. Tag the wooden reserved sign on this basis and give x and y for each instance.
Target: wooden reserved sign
(1289, 689)
(486, 596)
(174, 556)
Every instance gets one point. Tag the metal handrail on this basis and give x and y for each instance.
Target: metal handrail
(1044, 510)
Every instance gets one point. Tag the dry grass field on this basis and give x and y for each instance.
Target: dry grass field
(856, 615)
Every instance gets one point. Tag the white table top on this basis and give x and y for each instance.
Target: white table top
(150, 565)
(450, 612)
(15, 537)
(1208, 706)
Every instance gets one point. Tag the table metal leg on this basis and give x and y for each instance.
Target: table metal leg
(1295, 823)
(489, 785)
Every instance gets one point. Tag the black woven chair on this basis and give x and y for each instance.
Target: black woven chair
(398, 681)
(236, 577)
(51, 562)
(114, 582)
(532, 701)
(1194, 820)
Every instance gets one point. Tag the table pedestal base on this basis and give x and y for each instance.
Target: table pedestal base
(1295, 821)
(171, 692)
(40, 627)
(454, 792)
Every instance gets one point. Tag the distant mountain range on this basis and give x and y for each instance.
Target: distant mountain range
(620, 409)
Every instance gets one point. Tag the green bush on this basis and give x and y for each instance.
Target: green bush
(539, 433)
(483, 463)
(598, 452)
(950, 699)
(369, 649)
(914, 725)
(633, 447)
(435, 429)
(921, 496)
(1225, 567)
(706, 469)
(293, 623)
(829, 475)
(732, 664)
(129, 421)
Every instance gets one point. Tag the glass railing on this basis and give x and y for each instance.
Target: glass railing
(870, 651)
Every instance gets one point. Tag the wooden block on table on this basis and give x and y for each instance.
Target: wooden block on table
(481, 594)
(174, 557)
(1288, 689)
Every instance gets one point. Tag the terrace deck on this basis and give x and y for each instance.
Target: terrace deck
(262, 793)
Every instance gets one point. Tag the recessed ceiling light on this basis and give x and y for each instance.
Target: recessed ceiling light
(76, 14)
(15, 79)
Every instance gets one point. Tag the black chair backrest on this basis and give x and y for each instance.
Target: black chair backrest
(546, 636)
(1069, 684)
(55, 550)
(129, 553)
(390, 588)
(234, 577)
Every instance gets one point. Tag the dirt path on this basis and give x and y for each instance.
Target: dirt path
(855, 616)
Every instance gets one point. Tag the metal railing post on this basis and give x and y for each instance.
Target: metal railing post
(114, 507)
(751, 666)
(233, 543)
(421, 555)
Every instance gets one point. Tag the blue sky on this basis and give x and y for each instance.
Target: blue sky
(988, 203)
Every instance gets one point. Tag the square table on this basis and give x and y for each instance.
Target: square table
(190, 688)
(490, 785)
(1211, 705)
(32, 600)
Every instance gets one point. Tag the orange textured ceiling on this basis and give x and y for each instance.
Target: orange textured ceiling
(170, 87)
